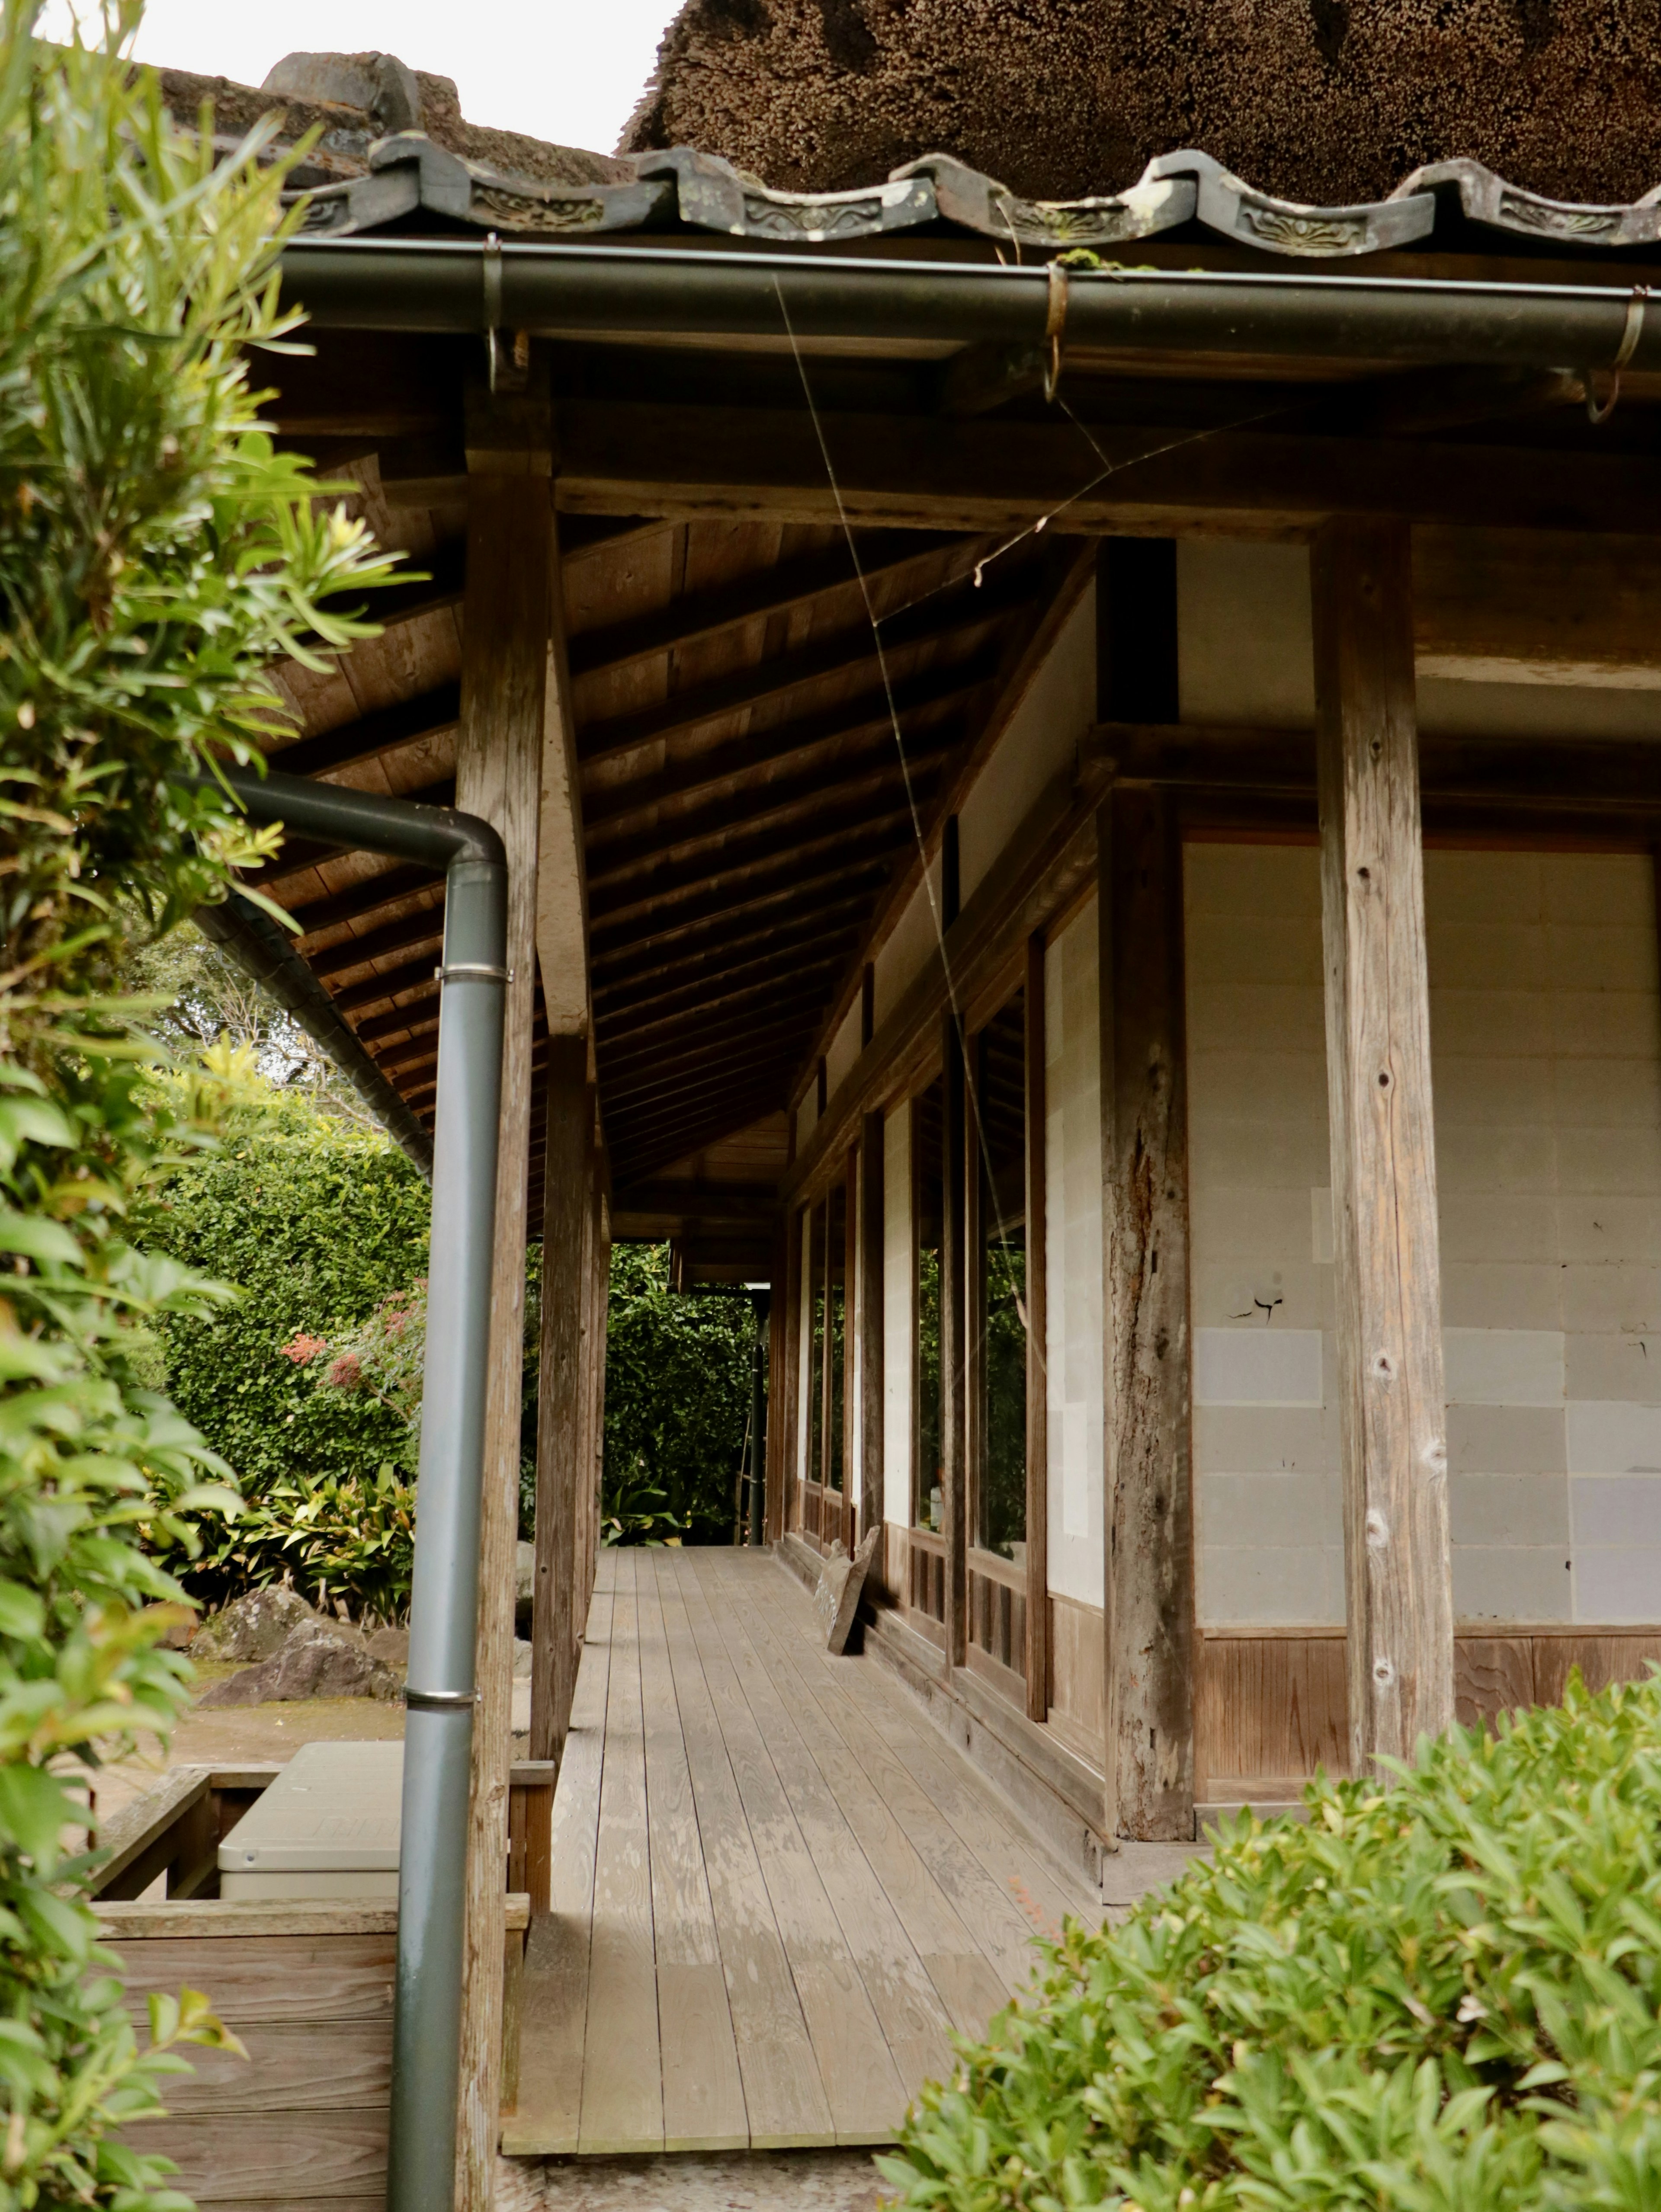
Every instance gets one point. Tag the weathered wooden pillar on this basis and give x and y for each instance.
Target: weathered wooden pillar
(1038, 1371)
(599, 1247)
(784, 1382)
(872, 1230)
(508, 618)
(850, 1321)
(954, 1393)
(1392, 1402)
(562, 1438)
(1149, 1455)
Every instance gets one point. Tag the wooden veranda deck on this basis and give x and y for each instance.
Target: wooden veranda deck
(776, 1886)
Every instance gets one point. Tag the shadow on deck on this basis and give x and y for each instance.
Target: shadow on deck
(776, 1887)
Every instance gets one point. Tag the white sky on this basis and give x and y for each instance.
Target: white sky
(570, 70)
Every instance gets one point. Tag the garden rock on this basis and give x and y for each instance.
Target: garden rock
(524, 1583)
(322, 1659)
(253, 1627)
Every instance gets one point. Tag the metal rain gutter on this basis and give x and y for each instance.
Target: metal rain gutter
(547, 290)
(440, 1690)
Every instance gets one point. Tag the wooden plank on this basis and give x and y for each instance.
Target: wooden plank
(1603, 1658)
(1391, 1396)
(1492, 1675)
(142, 1838)
(954, 1400)
(688, 461)
(913, 2019)
(871, 1234)
(554, 2008)
(251, 2156)
(270, 1977)
(1270, 1706)
(704, 2106)
(292, 2066)
(969, 1986)
(561, 1440)
(861, 2087)
(622, 2069)
(1036, 1656)
(783, 2094)
(429, 714)
(971, 1850)
(504, 686)
(1150, 1526)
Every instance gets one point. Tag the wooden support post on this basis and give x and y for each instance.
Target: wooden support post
(509, 618)
(562, 1442)
(1149, 1457)
(1037, 1370)
(786, 1379)
(1391, 1395)
(850, 1407)
(873, 1228)
(953, 1366)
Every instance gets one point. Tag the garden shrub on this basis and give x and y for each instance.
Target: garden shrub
(155, 556)
(1443, 1997)
(678, 1388)
(314, 1221)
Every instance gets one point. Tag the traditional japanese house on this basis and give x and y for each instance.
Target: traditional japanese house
(1078, 762)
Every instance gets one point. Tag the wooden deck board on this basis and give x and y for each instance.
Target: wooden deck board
(621, 2063)
(776, 1887)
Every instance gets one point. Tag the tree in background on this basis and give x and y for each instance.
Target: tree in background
(155, 556)
(678, 1389)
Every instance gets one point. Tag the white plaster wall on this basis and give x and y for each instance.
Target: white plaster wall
(808, 1114)
(901, 956)
(852, 1361)
(843, 1051)
(1245, 655)
(1043, 737)
(804, 1345)
(897, 1317)
(1546, 1043)
(1073, 1217)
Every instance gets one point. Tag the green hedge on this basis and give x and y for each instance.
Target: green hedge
(1443, 1999)
(314, 1221)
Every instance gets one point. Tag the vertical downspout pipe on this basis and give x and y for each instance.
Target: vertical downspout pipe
(440, 1690)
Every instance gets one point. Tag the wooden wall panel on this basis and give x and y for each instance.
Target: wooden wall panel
(1078, 1711)
(1274, 1706)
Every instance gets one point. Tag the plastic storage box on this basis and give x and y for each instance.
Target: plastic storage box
(326, 1828)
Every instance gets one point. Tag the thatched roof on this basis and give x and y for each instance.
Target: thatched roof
(1326, 101)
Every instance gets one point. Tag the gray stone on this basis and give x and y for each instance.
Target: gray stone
(253, 1627)
(836, 1594)
(324, 1661)
(522, 1660)
(391, 1644)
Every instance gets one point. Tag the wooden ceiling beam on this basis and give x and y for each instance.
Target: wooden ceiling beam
(367, 896)
(976, 475)
(412, 721)
(414, 974)
(771, 815)
(958, 613)
(424, 927)
(737, 1017)
(782, 589)
(398, 1017)
(701, 1202)
(836, 879)
(1573, 775)
(624, 982)
(706, 889)
(410, 596)
(724, 985)
(933, 692)
(660, 1148)
(690, 1076)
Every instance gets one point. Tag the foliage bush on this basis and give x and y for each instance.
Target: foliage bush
(154, 557)
(1445, 1997)
(678, 1388)
(315, 1221)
